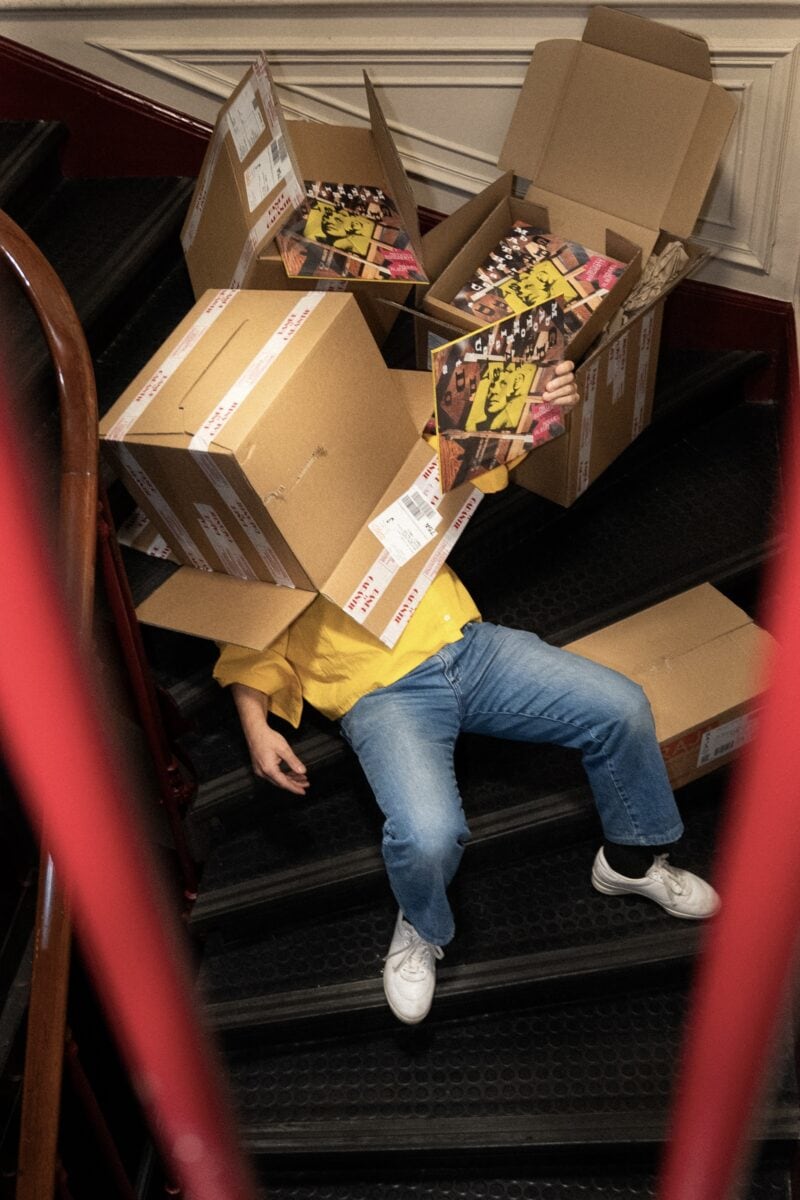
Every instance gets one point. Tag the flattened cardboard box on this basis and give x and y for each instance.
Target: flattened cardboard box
(701, 661)
(262, 442)
(232, 220)
(621, 130)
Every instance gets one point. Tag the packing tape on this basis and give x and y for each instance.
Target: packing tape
(385, 567)
(255, 371)
(224, 543)
(643, 371)
(244, 518)
(435, 561)
(587, 427)
(149, 390)
(260, 231)
(142, 480)
(616, 367)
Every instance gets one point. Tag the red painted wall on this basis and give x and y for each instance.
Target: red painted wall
(112, 132)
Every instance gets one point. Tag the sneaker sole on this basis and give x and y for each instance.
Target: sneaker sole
(610, 889)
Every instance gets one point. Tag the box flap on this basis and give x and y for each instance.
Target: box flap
(620, 123)
(663, 631)
(208, 604)
(401, 548)
(662, 45)
(441, 243)
(399, 186)
(415, 391)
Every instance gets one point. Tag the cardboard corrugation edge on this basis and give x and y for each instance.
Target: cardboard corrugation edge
(395, 171)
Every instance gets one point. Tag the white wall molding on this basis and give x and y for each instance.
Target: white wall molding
(448, 89)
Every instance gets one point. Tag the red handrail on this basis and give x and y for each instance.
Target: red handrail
(66, 774)
(742, 982)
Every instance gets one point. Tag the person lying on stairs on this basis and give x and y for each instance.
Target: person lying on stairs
(401, 711)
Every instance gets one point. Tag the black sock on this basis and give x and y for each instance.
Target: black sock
(633, 861)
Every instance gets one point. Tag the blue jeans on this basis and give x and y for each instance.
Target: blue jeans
(508, 684)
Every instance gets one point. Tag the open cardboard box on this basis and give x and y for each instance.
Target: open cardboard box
(621, 130)
(701, 661)
(279, 458)
(437, 299)
(251, 181)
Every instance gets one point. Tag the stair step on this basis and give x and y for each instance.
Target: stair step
(594, 1071)
(489, 984)
(134, 225)
(345, 874)
(143, 333)
(29, 167)
(708, 508)
(521, 895)
(602, 1181)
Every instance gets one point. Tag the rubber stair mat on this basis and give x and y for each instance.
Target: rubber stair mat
(596, 1069)
(143, 334)
(29, 167)
(709, 508)
(290, 832)
(101, 235)
(522, 899)
(615, 1182)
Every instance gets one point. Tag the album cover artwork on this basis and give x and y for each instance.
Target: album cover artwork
(490, 403)
(349, 231)
(530, 266)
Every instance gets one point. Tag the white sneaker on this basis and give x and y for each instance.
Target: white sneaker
(680, 892)
(409, 976)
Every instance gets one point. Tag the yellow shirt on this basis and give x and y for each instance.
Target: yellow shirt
(326, 658)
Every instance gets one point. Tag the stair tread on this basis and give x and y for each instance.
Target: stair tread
(289, 833)
(706, 508)
(600, 1182)
(130, 221)
(594, 1067)
(523, 899)
(27, 149)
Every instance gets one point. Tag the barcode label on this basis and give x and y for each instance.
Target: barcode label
(725, 739)
(407, 525)
(245, 122)
(265, 173)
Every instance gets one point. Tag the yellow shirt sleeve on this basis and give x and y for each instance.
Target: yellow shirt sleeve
(267, 671)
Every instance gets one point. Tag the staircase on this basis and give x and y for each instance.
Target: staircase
(544, 1070)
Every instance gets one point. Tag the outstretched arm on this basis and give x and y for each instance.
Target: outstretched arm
(271, 755)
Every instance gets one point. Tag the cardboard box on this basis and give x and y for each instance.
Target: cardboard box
(273, 451)
(438, 298)
(251, 180)
(701, 661)
(621, 130)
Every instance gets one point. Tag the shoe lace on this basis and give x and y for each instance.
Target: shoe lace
(663, 870)
(415, 957)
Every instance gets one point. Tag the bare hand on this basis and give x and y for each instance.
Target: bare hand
(562, 388)
(273, 759)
